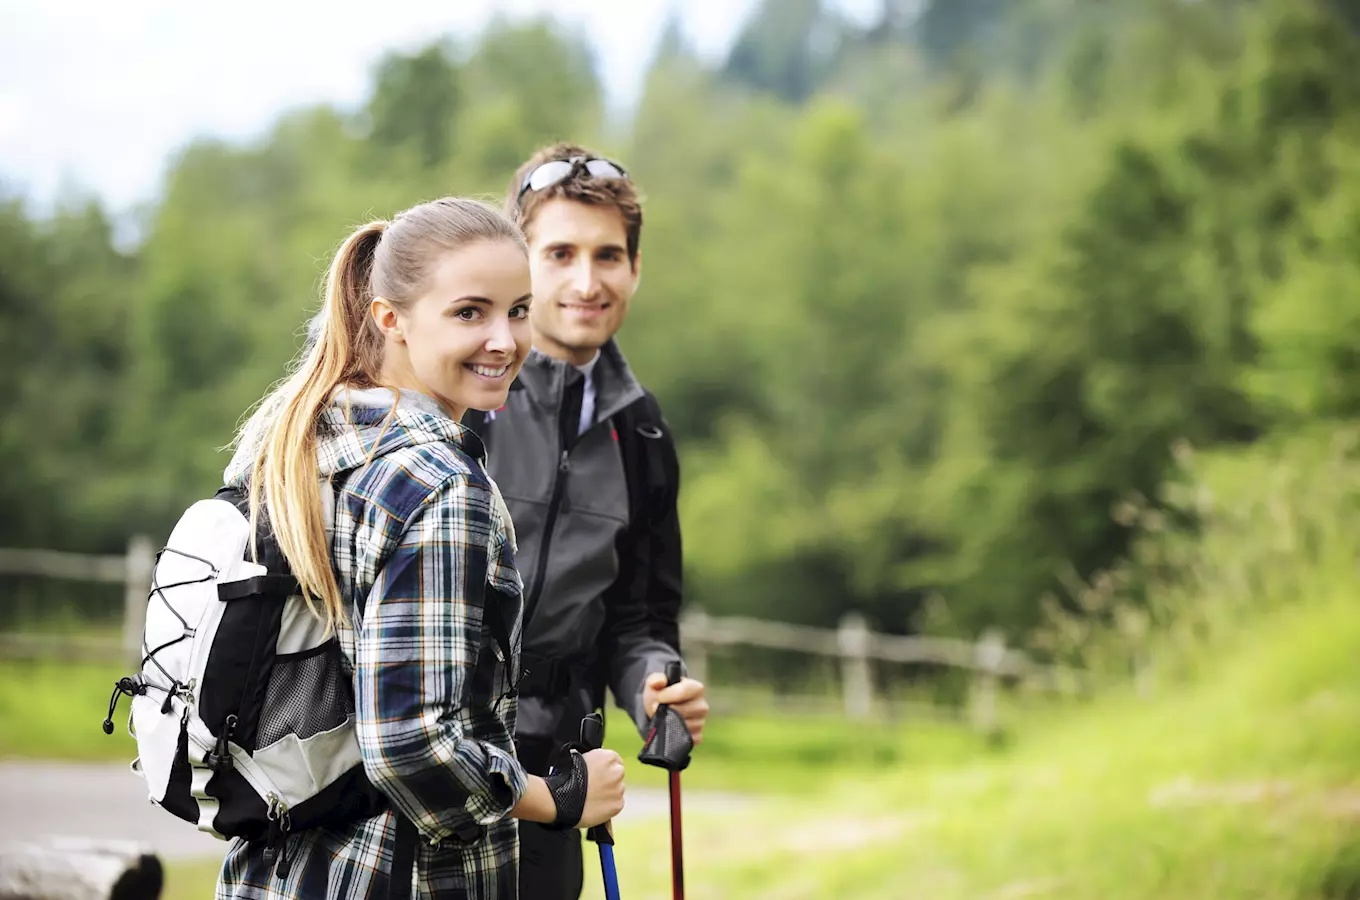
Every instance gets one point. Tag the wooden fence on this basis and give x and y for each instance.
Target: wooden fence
(132, 570)
(855, 650)
(853, 647)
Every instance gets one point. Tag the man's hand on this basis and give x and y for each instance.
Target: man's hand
(686, 697)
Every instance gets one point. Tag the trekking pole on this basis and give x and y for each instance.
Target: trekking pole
(668, 746)
(592, 737)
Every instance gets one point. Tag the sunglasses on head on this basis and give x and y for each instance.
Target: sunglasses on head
(555, 171)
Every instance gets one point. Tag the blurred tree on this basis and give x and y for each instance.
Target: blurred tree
(947, 28)
(65, 293)
(535, 83)
(786, 48)
(415, 103)
(923, 300)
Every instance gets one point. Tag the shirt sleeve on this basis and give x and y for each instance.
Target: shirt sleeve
(423, 718)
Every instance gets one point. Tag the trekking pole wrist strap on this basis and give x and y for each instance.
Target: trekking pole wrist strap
(568, 790)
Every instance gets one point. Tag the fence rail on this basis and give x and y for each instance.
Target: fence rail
(132, 569)
(852, 645)
(856, 649)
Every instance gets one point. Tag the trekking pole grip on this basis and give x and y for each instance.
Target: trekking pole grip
(592, 738)
(668, 743)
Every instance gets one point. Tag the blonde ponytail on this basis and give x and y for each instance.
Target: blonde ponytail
(390, 260)
(284, 477)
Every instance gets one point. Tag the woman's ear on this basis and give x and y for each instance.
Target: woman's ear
(385, 317)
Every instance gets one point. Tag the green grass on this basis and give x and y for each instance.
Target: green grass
(53, 710)
(1242, 784)
(191, 880)
(1238, 777)
(791, 755)
(1246, 785)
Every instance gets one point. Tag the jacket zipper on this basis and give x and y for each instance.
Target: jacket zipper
(541, 569)
(554, 501)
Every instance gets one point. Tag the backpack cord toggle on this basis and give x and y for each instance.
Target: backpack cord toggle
(125, 685)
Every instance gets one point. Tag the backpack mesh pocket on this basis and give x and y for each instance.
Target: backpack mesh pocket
(308, 693)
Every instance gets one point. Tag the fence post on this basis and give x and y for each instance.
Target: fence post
(694, 638)
(857, 685)
(1144, 675)
(141, 557)
(990, 655)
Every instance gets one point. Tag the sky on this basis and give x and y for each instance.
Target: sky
(97, 96)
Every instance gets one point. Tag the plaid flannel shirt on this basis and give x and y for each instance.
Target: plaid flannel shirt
(418, 536)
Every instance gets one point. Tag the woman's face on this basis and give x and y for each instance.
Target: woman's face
(465, 339)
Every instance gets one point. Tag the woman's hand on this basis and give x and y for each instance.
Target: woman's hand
(604, 787)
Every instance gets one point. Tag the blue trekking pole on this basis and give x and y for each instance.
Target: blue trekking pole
(592, 737)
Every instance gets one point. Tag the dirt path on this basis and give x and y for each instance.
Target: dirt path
(105, 800)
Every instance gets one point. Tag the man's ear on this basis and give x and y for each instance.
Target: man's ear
(637, 269)
(385, 317)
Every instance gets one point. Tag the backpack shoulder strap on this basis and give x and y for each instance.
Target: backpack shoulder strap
(279, 580)
(476, 421)
(650, 570)
(648, 467)
(270, 554)
(500, 632)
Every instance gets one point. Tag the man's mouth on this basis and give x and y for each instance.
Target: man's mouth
(585, 310)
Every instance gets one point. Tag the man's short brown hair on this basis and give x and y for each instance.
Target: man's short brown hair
(582, 187)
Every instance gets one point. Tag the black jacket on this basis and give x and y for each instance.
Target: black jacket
(598, 533)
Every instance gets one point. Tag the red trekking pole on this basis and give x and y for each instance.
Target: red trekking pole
(668, 746)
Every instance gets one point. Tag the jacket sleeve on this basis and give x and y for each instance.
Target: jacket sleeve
(642, 608)
(422, 722)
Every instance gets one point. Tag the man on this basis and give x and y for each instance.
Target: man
(589, 471)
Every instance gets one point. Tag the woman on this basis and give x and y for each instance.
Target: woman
(381, 505)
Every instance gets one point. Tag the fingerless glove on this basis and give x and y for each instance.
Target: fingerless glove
(568, 789)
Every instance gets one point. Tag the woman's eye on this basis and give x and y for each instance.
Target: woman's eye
(519, 312)
(467, 313)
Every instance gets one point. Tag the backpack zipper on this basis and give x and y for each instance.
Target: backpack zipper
(219, 759)
(280, 824)
(179, 689)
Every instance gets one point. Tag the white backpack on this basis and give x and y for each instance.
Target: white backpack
(243, 708)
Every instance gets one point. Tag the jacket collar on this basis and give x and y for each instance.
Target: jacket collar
(544, 379)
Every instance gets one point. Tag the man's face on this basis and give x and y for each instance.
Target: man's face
(578, 258)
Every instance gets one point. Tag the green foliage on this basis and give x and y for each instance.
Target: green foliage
(926, 307)
(65, 299)
(785, 49)
(415, 104)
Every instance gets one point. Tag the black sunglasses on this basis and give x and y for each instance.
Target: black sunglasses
(555, 171)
